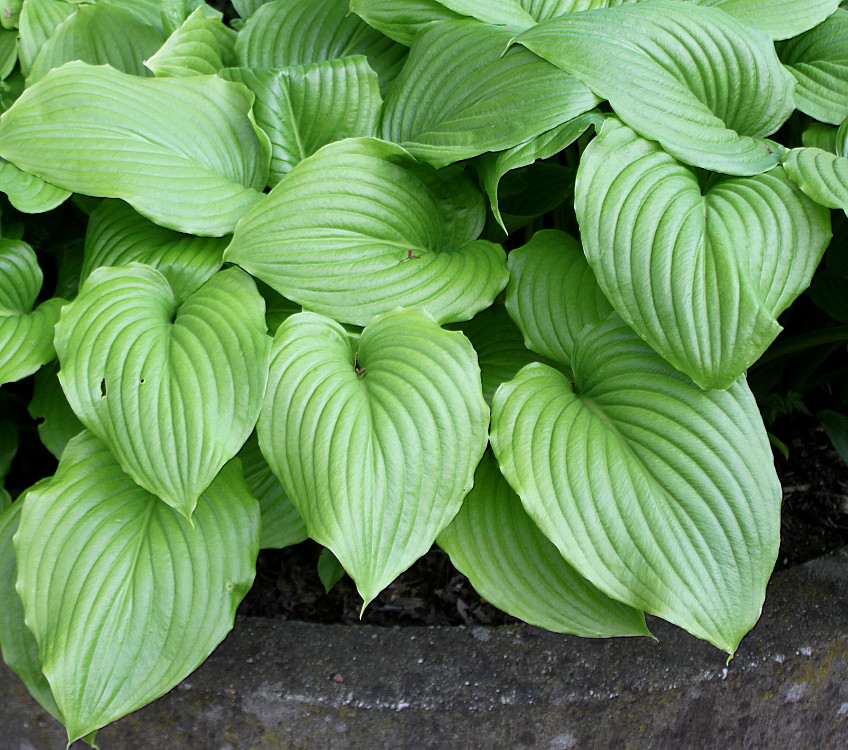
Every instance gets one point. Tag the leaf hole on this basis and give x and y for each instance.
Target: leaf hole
(141, 381)
(229, 586)
(103, 388)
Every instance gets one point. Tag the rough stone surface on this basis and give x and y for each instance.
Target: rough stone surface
(280, 685)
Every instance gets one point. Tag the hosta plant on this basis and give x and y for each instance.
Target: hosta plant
(387, 274)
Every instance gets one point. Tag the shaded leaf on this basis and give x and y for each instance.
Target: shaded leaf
(330, 570)
(57, 423)
(200, 46)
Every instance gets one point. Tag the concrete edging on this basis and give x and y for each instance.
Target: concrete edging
(281, 685)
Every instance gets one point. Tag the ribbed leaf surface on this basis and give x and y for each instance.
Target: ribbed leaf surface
(401, 20)
(99, 34)
(459, 95)
(514, 566)
(821, 175)
(782, 19)
(553, 294)
(375, 446)
(173, 390)
(663, 495)
(648, 58)
(116, 236)
(124, 596)
(181, 151)
(38, 21)
(305, 107)
(282, 525)
(358, 229)
(819, 62)
(26, 335)
(201, 46)
(296, 32)
(700, 274)
(29, 193)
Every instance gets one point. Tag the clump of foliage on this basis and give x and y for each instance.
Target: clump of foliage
(404, 341)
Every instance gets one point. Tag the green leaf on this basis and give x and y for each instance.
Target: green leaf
(117, 235)
(398, 426)
(401, 20)
(282, 525)
(8, 52)
(124, 596)
(57, 423)
(330, 570)
(459, 96)
(201, 46)
(820, 175)
(26, 335)
(19, 649)
(686, 527)
(499, 346)
(492, 167)
(359, 228)
(39, 19)
(819, 62)
(8, 446)
(836, 427)
(246, 8)
(305, 107)
(781, 19)
(514, 566)
(173, 389)
(841, 140)
(29, 193)
(98, 34)
(181, 151)
(295, 32)
(819, 135)
(648, 60)
(701, 273)
(553, 294)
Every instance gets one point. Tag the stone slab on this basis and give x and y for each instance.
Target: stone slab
(276, 685)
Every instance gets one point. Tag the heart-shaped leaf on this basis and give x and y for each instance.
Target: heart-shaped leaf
(396, 428)
(116, 236)
(359, 228)
(98, 34)
(173, 390)
(296, 32)
(553, 294)
(821, 175)
(202, 45)
(305, 107)
(819, 62)
(700, 273)
(26, 335)
(181, 151)
(648, 60)
(514, 566)
(685, 526)
(459, 95)
(124, 596)
(282, 525)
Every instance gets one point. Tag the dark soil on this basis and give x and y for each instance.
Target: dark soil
(433, 592)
